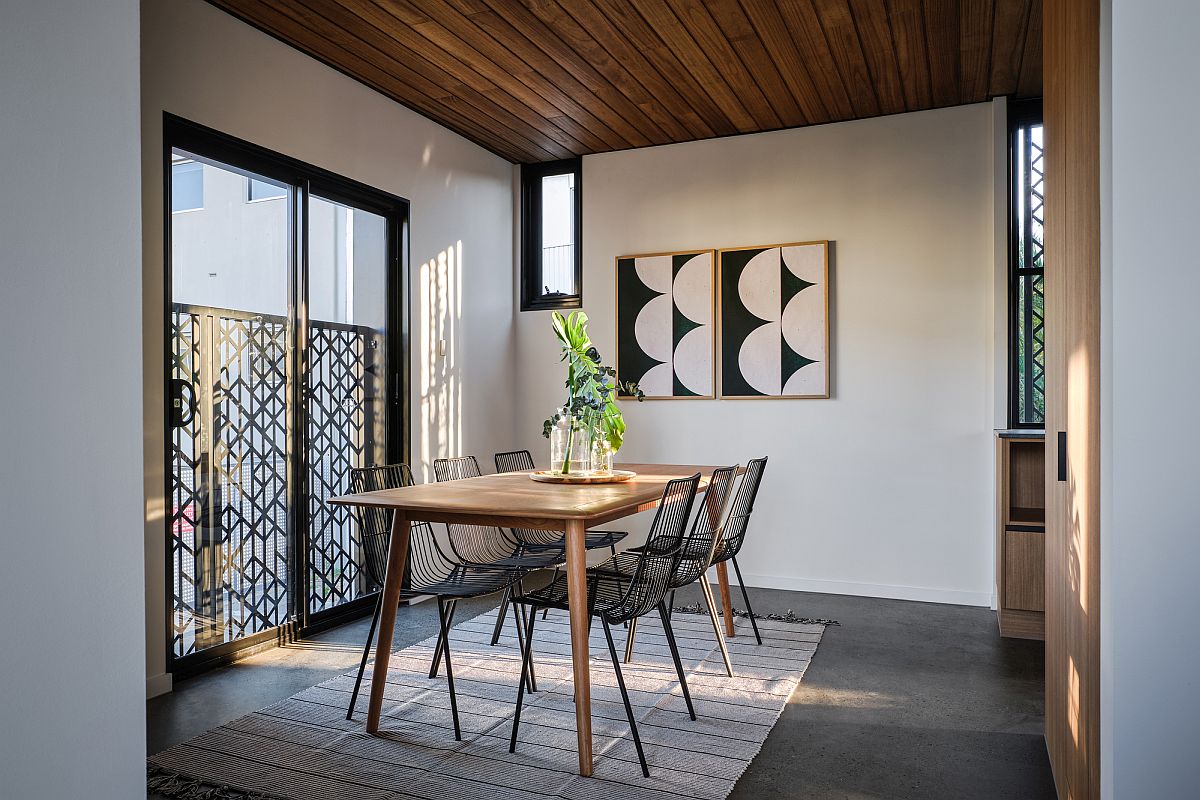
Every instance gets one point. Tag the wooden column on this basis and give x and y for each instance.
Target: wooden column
(1072, 257)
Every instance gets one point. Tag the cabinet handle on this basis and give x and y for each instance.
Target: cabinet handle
(1062, 455)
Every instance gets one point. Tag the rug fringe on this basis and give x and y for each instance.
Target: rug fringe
(789, 617)
(177, 786)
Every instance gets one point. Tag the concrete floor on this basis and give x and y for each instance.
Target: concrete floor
(902, 700)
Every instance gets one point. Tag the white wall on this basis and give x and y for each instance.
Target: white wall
(70, 372)
(1150, 595)
(202, 64)
(885, 489)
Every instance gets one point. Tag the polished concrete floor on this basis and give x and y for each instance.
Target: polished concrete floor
(902, 700)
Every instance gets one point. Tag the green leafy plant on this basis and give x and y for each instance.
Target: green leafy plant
(592, 387)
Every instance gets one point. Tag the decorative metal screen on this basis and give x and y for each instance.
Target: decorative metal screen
(1029, 353)
(343, 381)
(230, 548)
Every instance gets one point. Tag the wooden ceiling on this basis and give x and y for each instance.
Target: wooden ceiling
(537, 80)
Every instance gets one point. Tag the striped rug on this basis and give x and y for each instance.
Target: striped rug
(304, 748)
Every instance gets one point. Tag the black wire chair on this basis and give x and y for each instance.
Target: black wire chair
(430, 571)
(696, 556)
(628, 586)
(490, 545)
(734, 534)
(522, 461)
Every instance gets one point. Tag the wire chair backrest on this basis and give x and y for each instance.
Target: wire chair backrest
(514, 461)
(473, 544)
(427, 563)
(738, 520)
(522, 461)
(701, 541)
(660, 557)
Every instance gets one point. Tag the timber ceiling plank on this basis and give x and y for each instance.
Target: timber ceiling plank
(769, 25)
(511, 22)
(1008, 45)
(538, 80)
(739, 31)
(382, 31)
(735, 58)
(802, 22)
(675, 37)
(875, 33)
(908, 36)
(975, 48)
(585, 26)
(441, 106)
(511, 35)
(942, 47)
(543, 97)
(631, 24)
(842, 37)
(1029, 80)
(402, 61)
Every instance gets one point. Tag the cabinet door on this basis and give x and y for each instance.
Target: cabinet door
(1024, 570)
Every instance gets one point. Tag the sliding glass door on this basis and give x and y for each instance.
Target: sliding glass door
(285, 330)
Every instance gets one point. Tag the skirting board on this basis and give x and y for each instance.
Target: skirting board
(921, 593)
(158, 684)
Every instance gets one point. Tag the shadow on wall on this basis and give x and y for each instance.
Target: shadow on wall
(440, 294)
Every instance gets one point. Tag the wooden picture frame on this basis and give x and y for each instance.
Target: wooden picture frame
(680, 338)
(772, 366)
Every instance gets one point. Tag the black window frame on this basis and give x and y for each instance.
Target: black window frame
(305, 179)
(1021, 116)
(533, 296)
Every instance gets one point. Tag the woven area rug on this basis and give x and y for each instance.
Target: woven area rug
(304, 748)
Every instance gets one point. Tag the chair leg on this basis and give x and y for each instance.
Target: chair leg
(500, 612)
(526, 672)
(711, 602)
(629, 640)
(441, 641)
(519, 614)
(746, 597)
(637, 741)
(671, 604)
(666, 621)
(444, 616)
(362, 665)
(546, 610)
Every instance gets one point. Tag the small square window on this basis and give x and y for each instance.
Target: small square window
(551, 261)
(263, 190)
(187, 186)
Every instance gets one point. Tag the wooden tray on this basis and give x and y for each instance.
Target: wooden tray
(616, 476)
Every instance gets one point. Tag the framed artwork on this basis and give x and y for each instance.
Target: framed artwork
(665, 330)
(774, 321)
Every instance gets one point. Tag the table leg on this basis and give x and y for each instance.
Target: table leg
(577, 599)
(726, 603)
(397, 556)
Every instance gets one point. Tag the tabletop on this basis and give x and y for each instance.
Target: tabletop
(510, 498)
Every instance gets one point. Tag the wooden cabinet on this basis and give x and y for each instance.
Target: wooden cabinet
(1021, 534)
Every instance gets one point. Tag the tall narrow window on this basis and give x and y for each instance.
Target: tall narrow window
(1027, 340)
(551, 262)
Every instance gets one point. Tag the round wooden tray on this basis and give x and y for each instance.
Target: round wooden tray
(616, 476)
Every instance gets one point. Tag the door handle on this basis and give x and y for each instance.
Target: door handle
(180, 404)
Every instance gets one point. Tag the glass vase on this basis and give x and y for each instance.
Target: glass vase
(570, 447)
(602, 456)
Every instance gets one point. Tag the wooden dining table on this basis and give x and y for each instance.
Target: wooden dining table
(514, 500)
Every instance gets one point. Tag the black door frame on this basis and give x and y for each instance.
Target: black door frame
(305, 179)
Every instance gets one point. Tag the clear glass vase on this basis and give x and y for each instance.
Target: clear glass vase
(602, 456)
(570, 445)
